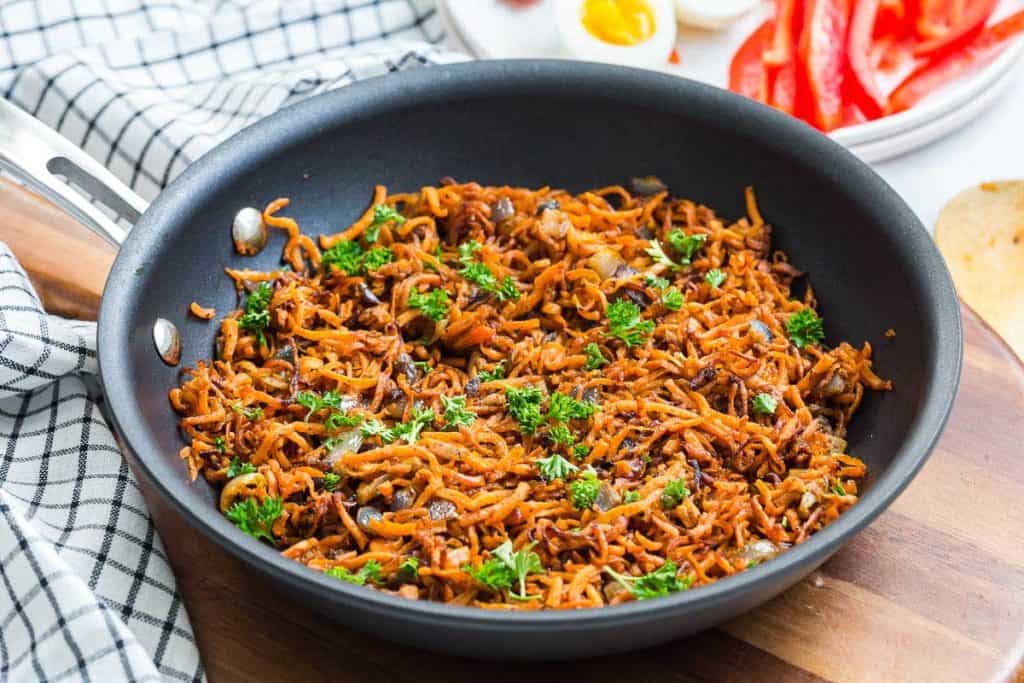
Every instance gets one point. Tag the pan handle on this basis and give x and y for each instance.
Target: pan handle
(63, 173)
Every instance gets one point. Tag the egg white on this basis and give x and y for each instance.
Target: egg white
(712, 14)
(579, 43)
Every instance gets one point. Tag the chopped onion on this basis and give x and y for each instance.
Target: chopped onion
(759, 551)
(554, 223)
(345, 442)
(605, 262)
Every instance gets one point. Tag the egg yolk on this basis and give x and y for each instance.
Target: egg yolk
(621, 22)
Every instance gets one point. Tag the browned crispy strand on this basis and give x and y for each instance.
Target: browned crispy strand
(677, 406)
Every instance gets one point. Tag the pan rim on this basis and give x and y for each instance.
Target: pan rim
(297, 121)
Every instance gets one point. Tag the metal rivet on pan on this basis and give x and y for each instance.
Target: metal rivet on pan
(167, 341)
(249, 231)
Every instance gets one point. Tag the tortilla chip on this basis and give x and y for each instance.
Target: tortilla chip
(980, 232)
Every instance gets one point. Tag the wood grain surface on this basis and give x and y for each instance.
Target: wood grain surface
(932, 591)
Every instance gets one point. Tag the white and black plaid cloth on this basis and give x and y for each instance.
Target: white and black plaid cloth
(146, 87)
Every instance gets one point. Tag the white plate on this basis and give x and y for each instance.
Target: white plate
(494, 29)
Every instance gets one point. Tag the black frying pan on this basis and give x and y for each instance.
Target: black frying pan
(531, 123)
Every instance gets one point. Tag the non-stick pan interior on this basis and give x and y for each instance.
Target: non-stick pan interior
(870, 264)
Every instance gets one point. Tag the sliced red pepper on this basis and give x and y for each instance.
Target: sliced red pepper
(823, 56)
(975, 16)
(852, 114)
(933, 75)
(863, 87)
(931, 18)
(747, 73)
(779, 50)
(784, 89)
(891, 19)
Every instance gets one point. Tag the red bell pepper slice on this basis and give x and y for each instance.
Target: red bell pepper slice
(747, 73)
(785, 89)
(933, 75)
(972, 22)
(823, 56)
(779, 50)
(863, 87)
(891, 19)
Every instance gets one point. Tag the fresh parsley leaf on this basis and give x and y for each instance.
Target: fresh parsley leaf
(410, 431)
(256, 318)
(237, 468)
(490, 375)
(838, 489)
(345, 256)
(624, 323)
(580, 451)
(455, 412)
(434, 305)
(752, 563)
(805, 327)
(250, 413)
(220, 443)
(467, 250)
(658, 283)
(480, 275)
(507, 290)
(630, 496)
(493, 574)
(672, 298)
(562, 408)
(368, 572)
(560, 435)
(583, 492)
(764, 404)
(524, 407)
(686, 245)
(674, 493)
(336, 421)
(256, 519)
(375, 258)
(658, 255)
(555, 467)
(314, 402)
(382, 214)
(715, 277)
(409, 568)
(595, 359)
(521, 563)
(656, 584)
(423, 366)
(331, 481)
(372, 428)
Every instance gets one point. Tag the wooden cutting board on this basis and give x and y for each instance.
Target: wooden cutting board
(932, 591)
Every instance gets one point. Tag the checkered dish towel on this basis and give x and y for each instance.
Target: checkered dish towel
(146, 87)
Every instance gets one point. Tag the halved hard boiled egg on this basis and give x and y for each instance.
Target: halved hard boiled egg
(712, 14)
(628, 32)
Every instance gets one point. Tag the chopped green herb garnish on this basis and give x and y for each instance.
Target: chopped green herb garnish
(336, 421)
(480, 275)
(656, 584)
(345, 256)
(433, 305)
(467, 250)
(805, 327)
(493, 574)
(595, 359)
(673, 299)
(409, 568)
(624, 322)
(507, 290)
(521, 563)
(237, 467)
(583, 492)
(250, 413)
(455, 412)
(674, 493)
(524, 407)
(375, 258)
(764, 404)
(838, 489)
(561, 435)
(658, 283)
(630, 497)
(715, 277)
(256, 519)
(490, 375)
(555, 467)
(658, 255)
(407, 431)
(562, 408)
(752, 563)
(368, 572)
(423, 366)
(580, 451)
(315, 402)
(382, 214)
(686, 245)
(220, 443)
(331, 481)
(256, 318)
